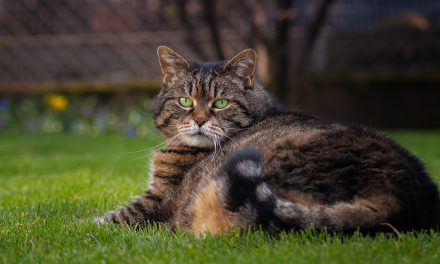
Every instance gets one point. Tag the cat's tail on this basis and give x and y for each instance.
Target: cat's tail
(253, 204)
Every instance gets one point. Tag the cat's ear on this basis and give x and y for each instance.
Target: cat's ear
(171, 63)
(243, 65)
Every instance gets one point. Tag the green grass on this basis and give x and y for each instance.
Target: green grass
(50, 184)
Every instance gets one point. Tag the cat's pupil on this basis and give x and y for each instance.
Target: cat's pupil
(185, 102)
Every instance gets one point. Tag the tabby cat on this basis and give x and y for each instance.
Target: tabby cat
(234, 160)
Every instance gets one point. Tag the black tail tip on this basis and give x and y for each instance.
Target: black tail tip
(242, 177)
(245, 162)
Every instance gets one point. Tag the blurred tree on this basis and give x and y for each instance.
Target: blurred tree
(280, 47)
(270, 24)
(190, 28)
(210, 16)
(308, 39)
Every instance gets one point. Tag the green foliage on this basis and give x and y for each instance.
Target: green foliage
(52, 185)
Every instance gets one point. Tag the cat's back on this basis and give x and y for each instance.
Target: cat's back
(285, 130)
(319, 162)
(333, 161)
(293, 142)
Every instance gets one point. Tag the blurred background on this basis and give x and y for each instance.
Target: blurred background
(90, 66)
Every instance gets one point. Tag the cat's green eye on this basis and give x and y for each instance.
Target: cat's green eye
(221, 103)
(185, 102)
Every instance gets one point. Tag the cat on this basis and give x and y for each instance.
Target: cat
(235, 160)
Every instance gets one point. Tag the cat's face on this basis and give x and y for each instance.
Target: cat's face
(203, 104)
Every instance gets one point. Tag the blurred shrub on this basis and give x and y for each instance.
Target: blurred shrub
(124, 112)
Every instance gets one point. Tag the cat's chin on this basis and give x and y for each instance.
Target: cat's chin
(198, 140)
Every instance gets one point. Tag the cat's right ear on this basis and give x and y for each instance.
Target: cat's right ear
(171, 63)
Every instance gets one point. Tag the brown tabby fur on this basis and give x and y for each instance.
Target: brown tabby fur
(252, 165)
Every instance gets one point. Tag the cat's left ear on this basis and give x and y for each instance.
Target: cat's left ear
(243, 65)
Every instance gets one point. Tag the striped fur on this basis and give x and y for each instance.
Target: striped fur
(250, 165)
(169, 167)
(302, 172)
(254, 203)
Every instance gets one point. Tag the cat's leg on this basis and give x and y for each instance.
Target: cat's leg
(211, 209)
(169, 166)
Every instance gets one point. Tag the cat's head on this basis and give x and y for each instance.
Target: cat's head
(201, 104)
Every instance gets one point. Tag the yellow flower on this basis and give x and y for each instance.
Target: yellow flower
(57, 102)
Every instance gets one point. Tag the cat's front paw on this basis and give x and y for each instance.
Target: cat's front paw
(106, 219)
(99, 221)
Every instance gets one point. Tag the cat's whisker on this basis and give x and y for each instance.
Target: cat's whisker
(171, 142)
(154, 148)
(148, 150)
(218, 147)
(144, 150)
(176, 141)
(145, 113)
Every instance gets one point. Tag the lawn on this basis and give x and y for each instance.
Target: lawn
(51, 184)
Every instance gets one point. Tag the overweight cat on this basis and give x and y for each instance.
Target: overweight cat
(233, 160)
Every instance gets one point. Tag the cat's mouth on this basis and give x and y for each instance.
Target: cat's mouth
(202, 134)
(198, 140)
(205, 136)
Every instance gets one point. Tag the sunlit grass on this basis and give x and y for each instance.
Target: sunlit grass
(51, 184)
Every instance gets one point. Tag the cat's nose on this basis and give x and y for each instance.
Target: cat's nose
(200, 120)
(200, 115)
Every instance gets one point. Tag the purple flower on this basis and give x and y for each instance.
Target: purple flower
(4, 104)
(130, 132)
